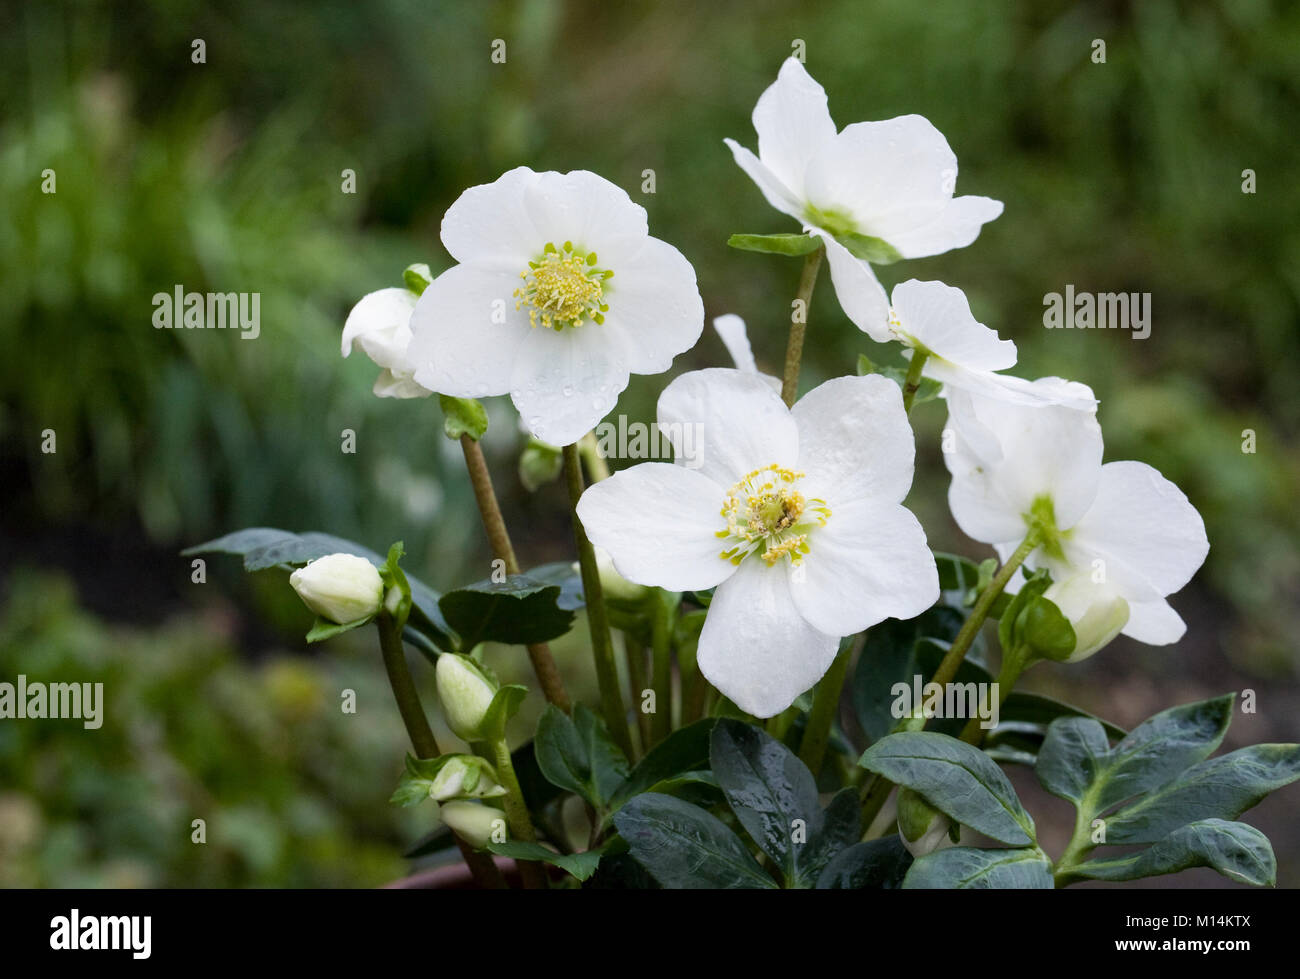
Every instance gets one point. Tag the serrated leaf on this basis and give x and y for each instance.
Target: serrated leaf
(579, 865)
(518, 611)
(1236, 850)
(874, 865)
(682, 846)
(780, 244)
(955, 778)
(967, 868)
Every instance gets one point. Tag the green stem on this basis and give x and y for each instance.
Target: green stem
(548, 674)
(638, 672)
(826, 703)
(912, 383)
(799, 326)
(876, 790)
(521, 825)
(1013, 664)
(602, 649)
(661, 631)
(481, 866)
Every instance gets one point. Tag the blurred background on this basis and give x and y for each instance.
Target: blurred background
(227, 176)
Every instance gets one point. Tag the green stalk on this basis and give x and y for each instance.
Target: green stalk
(661, 631)
(794, 344)
(826, 703)
(481, 867)
(602, 649)
(521, 825)
(637, 671)
(912, 383)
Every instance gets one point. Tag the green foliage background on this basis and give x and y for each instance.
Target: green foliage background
(225, 176)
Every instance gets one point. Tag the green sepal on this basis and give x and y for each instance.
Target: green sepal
(462, 416)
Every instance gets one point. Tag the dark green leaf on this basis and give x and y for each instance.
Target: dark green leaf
(782, 244)
(579, 865)
(1236, 850)
(873, 865)
(517, 611)
(682, 846)
(966, 867)
(957, 779)
(771, 792)
(927, 389)
(685, 750)
(578, 755)
(567, 576)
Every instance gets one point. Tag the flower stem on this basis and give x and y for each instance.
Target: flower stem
(876, 790)
(548, 674)
(912, 383)
(826, 703)
(661, 630)
(1012, 666)
(637, 672)
(482, 867)
(602, 650)
(799, 325)
(521, 825)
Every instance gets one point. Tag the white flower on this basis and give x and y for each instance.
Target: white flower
(890, 180)
(560, 294)
(474, 822)
(935, 319)
(794, 514)
(735, 337)
(341, 588)
(1121, 523)
(381, 324)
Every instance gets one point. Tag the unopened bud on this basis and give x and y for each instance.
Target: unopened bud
(1095, 611)
(474, 822)
(465, 693)
(921, 827)
(465, 777)
(341, 588)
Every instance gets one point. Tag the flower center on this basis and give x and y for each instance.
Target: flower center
(563, 288)
(768, 516)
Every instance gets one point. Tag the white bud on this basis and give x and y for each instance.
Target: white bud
(1095, 610)
(339, 587)
(465, 776)
(921, 827)
(473, 822)
(465, 693)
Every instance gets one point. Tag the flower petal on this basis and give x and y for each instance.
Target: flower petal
(1154, 623)
(793, 124)
(855, 441)
(869, 563)
(755, 646)
(774, 191)
(1009, 388)
(734, 423)
(389, 385)
(954, 225)
(588, 210)
(860, 293)
(565, 382)
(655, 308)
(1143, 527)
(456, 347)
(1004, 456)
(659, 523)
(489, 226)
(381, 323)
(887, 175)
(939, 318)
(731, 330)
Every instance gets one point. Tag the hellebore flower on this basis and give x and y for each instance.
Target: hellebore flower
(794, 514)
(878, 190)
(1123, 524)
(466, 695)
(560, 294)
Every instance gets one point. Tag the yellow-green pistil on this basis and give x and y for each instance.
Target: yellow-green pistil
(768, 516)
(563, 288)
